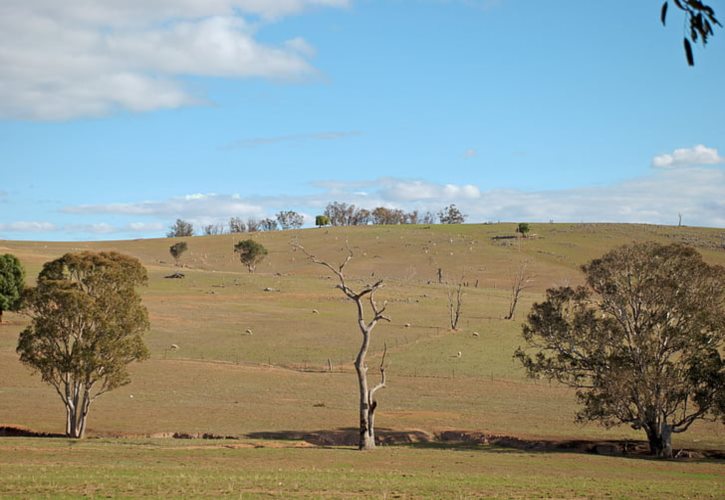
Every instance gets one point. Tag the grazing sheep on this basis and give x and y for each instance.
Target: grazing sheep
(248, 331)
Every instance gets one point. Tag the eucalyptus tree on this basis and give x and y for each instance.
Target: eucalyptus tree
(642, 342)
(87, 327)
(12, 283)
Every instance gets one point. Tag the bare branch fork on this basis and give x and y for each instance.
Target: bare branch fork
(367, 402)
(520, 281)
(455, 301)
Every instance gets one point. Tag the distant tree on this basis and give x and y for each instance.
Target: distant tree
(360, 217)
(250, 253)
(339, 214)
(253, 225)
(177, 249)
(642, 343)
(181, 229)
(455, 301)
(412, 217)
(382, 215)
(12, 283)
(428, 218)
(268, 224)
(322, 220)
(289, 219)
(367, 401)
(523, 229)
(237, 225)
(520, 280)
(700, 18)
(213, 229)
(451, 215)
(87, 326)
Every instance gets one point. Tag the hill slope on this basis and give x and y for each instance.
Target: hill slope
(294, 372)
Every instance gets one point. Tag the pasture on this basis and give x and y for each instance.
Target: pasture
(286, 391)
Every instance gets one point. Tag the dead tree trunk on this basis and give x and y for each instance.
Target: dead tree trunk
(521, 280)
(454, 305)
(368, 404)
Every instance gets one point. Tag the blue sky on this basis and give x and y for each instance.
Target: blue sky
(118, 117)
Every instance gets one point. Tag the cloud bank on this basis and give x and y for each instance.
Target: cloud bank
(694, 192)
(685, 157)
(78, 58)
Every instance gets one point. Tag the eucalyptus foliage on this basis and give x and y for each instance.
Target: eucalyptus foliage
(12, 282)
(642, 342)
(250, 253)
(87, 327)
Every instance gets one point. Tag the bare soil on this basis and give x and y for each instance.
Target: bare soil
(389, 437)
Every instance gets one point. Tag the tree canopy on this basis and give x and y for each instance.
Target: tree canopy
(642, 343)
(177, 249)
(523, 229)
(12, 282)
(250, 253)
(322, 220)
(87, 326)
(180, 229)
(289, 219)
(451, 215)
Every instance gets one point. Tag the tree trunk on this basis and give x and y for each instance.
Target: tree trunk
(69, 418)
(367, 429)
(660, 441)
(1, 315)
(77, 415)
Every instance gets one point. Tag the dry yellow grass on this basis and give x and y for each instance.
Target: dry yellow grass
(224, 381)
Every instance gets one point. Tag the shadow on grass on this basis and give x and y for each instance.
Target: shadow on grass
(477, 441)
(447, 440)
(16, 431)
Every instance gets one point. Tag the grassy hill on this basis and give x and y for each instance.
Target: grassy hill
(293, 375)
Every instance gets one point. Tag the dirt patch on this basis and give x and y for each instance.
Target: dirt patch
(346, 437)
(390, 437)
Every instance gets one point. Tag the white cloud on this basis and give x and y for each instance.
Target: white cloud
(198, 207)
(684, 157)
(101, 228)
(397, 190)
(655, 199)
(314, 136)
(145, 227)
(694, 192)
(61, 60)
(27, 227)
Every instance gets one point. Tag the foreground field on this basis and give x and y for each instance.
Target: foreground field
(162, 468)
(270, 355)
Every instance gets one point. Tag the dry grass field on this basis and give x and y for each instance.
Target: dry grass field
(293, 376)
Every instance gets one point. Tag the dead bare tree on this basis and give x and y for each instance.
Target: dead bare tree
(455, 296)
(368, 404)
(520, 281)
